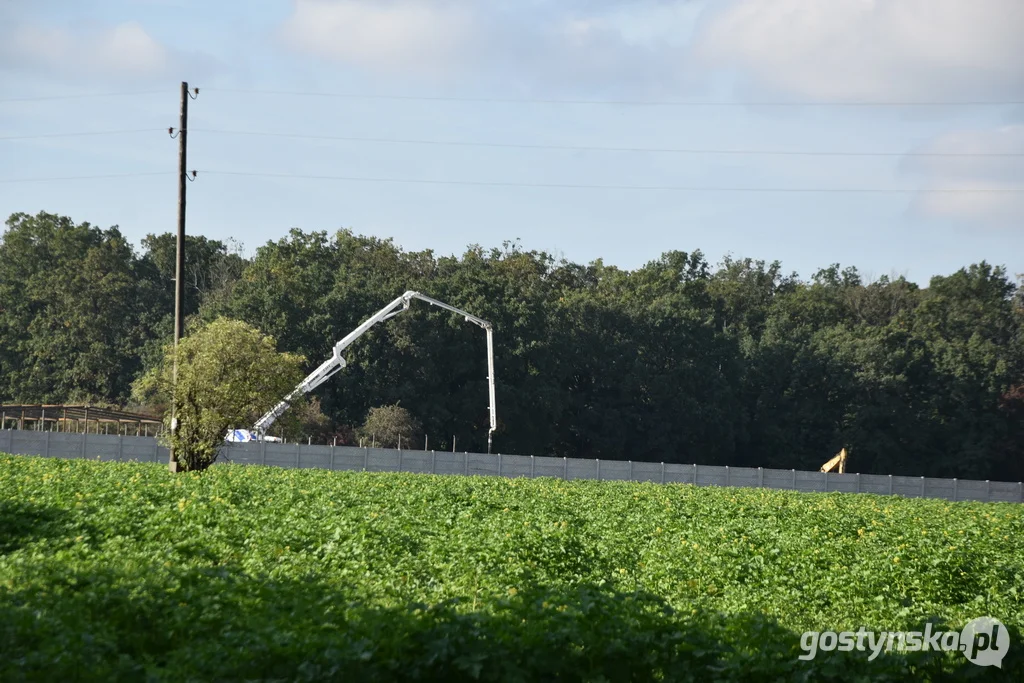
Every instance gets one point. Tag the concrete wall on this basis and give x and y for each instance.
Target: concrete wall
(146, 449)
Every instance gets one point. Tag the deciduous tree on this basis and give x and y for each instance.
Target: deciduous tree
(228, 374)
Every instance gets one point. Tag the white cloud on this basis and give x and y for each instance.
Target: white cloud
(125, 50)
(389, 34)
(981, 208)
(871, 49)
(541, 44)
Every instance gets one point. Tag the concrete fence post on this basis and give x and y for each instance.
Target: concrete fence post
(46, 444)
(120, 447)
(533, 467)
(988, 490)
(366, 458)
(499, 464)
(565, 468)
(890, 484)
(298, 454)
(694, 474)
(826, 482)
(465, 455)
(760, 477)
(727, 481)
(794, 480)
(631, 470)
(954, 489)
(924, 490)
(433, 462)
(85, 444)
(334, 449)
(858, 483)
(399, 459)
(662, 471)
(599, 469)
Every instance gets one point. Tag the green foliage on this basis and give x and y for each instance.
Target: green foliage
(228, 374)
(211, 268)
(305, 419)
(68, 304)
(676, 361)
(389, 426)
(119, 571)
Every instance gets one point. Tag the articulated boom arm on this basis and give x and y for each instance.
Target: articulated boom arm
(335, 363)
(837, 463)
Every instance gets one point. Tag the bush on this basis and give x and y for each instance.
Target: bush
(229, 373)
(386, 424)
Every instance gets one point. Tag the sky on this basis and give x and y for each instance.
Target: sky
(882, 134)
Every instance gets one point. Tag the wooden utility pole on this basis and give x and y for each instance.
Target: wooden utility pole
(179, 265)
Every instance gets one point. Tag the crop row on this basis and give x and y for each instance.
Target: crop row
(114, 570)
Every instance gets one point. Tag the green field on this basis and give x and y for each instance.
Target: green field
(122, 571)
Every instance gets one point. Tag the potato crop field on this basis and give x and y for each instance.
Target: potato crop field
(125, 572)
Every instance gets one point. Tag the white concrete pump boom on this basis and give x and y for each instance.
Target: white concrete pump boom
(335, 363)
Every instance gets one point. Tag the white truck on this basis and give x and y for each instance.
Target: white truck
(335, 363)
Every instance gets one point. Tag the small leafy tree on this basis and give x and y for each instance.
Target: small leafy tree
(386, 424)
(229, 373)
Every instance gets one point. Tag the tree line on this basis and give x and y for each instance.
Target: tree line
(737, 363)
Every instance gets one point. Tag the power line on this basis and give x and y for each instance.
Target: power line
(85, 177)
(513, 145)
(584, 186)
(659, 103)
(41, 136)
(587, 148)
(580, 186)
(79, 96)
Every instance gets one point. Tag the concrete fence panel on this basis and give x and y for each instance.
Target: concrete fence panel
(1005, 491)
(483, 465)
(711, 475)
(516, 466)
(843, 482)
(875, 483)
(576, 468)
(147, 449)
(940, 488)
(779, 479)
(551, 467)
(66, 446)
(448, 463)
(678, 474)
(744, 476)
(28, 443)
(646, 471)
(615, 470)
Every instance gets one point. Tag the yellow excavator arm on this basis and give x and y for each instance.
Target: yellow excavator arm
(836, 464)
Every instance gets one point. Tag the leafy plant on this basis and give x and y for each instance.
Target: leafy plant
(118, 571)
